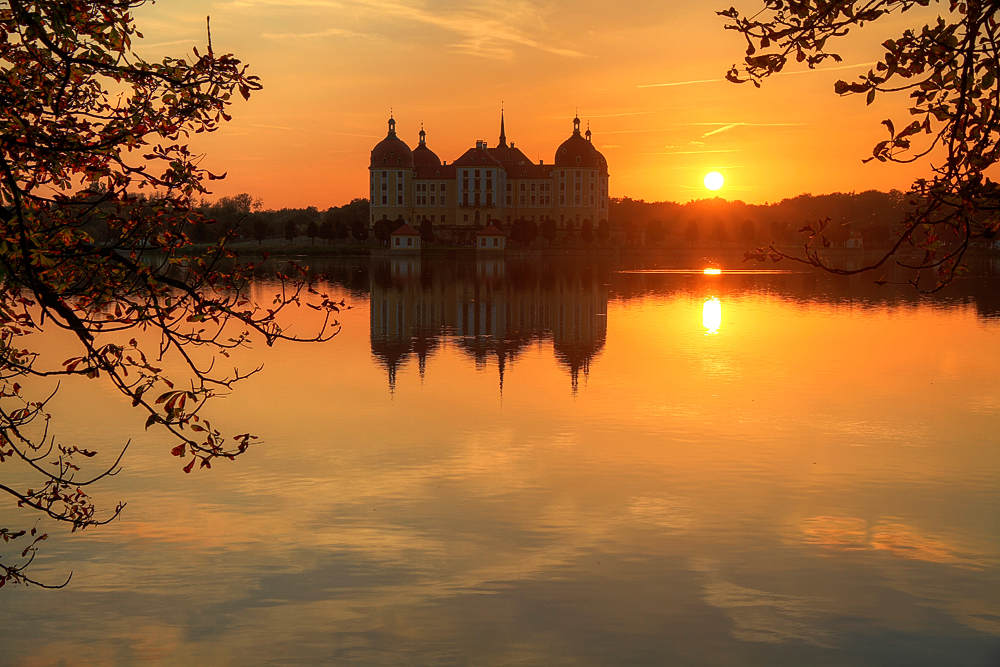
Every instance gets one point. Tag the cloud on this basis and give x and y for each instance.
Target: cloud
(805, 71)
(724, 150)
(610, 146)
(728, 126)
(487, 30)
(329, 32)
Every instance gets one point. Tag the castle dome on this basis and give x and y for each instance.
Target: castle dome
(392, 151)
(423, 156)
(578, 151)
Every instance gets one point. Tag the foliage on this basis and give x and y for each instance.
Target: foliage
(85, 123)
(524, 232)
(426, 231)
(549, 230)
(949, 69)
(291, 230)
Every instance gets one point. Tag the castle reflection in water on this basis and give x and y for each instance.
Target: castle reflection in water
(489, 308)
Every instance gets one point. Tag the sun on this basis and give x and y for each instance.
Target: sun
(714, 180)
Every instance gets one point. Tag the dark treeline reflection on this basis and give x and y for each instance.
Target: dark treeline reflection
(492, 309)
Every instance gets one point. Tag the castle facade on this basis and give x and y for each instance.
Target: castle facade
(498, 184)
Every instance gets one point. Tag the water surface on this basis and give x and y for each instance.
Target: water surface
(579, 462)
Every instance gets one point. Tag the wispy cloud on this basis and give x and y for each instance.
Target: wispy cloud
(805, 71)
(721, 150)
(489, 30)
(329, 32)
(610, 146)
(728, 126)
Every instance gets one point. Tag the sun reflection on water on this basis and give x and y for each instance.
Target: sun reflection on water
(711, 315)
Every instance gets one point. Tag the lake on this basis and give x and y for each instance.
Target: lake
(573, 461)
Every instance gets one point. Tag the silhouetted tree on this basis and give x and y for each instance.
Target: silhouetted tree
(312, 231)
(327, 231)
(85, 120)
(949, 69)
(549, 230)
(524, 232)
(291, 231)
(426, 231)
(260, 230)
(383, 230)
(359, 230)
(691, 232)
(654, 232)
(603, 231)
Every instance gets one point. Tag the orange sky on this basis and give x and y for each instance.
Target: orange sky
(333, 68)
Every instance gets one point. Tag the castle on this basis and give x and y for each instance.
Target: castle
(488, 185)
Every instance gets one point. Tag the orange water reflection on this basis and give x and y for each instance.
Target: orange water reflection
(520, 462)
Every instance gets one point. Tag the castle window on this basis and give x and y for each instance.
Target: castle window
(489, 184)
(578, 159)
(489, 199)
(465, 217)
(465, 173)
(484, 160)
(465, 184)
(432, 200)
(399, 160)
(465, 199)
(510, 200)
(489, 173)
(477, 173)
(477, 216)
(385, 186)
(562, 174)
(562, 186)
(432, 187)
(562, 200)
(475, 183)
(385, 161)
(399, 174)
(385, 174)
(578, 174)
(509, 187)
(399, 200)
(432, 218)
(384, 200)
(477, 199)
(522, 187)
(578, 200)
(392, 152)
(442, 218)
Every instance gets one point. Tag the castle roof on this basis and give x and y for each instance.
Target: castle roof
(490, 230)
(580, 152)
(480, 156)
(405, 230)
(392, 151)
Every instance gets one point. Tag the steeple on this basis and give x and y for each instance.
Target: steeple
(503, 135)
(576, 125)
(423, 135)
(392, 127)
(588, 131)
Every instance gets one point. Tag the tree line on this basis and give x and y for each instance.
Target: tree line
(870, 215)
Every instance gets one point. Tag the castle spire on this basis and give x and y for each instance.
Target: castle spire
(588, 131)
(503, 135)
(423, 135)
(576, 123)
(392, 126)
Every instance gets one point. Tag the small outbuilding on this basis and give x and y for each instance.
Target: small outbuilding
(490, 239)
(404, 239)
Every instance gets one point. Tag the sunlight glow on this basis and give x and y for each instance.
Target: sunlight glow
(714, 180)
(712, 272)
(711, 315)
